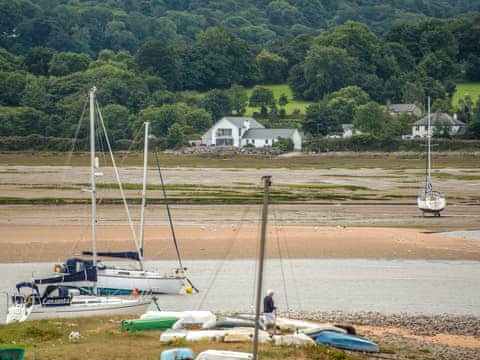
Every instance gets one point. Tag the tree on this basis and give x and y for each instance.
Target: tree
(21, 121)
(11, 87)
(161, 118)
(283, 100)
(160, 59)
(175, 135)
(217, 103)
(272, 68)
(262, 97)
(65, 63)
(198, 120)
(327, 69)
(238, 98)
(35, 94)
(284, 144)
(218, 59)
(117, 121)
(372, 118)
(38, 59)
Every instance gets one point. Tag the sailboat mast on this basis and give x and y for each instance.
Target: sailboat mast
(92, 174)
(144, 187)
(266, 185)
(429, 135)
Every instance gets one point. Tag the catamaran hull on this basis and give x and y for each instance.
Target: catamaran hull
(112, 281)
(21, 313)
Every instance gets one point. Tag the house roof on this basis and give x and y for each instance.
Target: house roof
(239, 121)
(402, 107)
(268, 133)
(442, 118)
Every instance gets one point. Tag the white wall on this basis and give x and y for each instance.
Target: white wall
(224, 124)
(421, 130)
(260, 143)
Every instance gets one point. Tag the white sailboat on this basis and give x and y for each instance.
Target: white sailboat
(60, 298)
(117, 279)
(430, 200)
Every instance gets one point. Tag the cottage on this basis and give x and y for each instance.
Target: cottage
(268, 137)
(240, 131)
(438, 122)
(401, 109)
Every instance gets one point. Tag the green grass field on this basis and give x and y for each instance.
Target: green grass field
(277, 91)
(472, 89)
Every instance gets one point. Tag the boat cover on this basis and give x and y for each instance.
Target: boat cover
(223, 355)
(133, 255)
(87, 274)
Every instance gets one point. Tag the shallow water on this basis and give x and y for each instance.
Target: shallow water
(388, 286)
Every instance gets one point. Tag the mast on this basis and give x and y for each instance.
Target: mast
(266, 185)
(429, 135)
(92, 173)
(144, 188)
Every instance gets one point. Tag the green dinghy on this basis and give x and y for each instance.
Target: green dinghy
(149, 324)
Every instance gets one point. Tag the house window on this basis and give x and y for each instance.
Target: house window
(266, 141)
(253, 141)
(224, 142)
(224, 132)
(239, 131)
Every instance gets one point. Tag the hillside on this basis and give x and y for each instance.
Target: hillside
(85, 26)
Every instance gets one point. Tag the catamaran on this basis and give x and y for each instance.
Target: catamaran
(73, 294)
(121, 279)
(430, 200)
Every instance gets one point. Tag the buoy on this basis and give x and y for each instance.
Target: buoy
(188, 289)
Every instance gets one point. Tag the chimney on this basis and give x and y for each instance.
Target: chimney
(246, 124)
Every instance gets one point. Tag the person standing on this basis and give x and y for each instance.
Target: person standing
(269, 310)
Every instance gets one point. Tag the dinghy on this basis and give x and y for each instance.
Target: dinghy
(345, 341)
(223, 355)
(148, 324)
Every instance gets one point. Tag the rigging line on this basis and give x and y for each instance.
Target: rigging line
(77, 131)
(284, 281)
(170, 221)
(134, 143)
(117, 175)
(259, 226)
(222, 262)
(292, 272)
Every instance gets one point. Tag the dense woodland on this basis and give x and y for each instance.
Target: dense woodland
(183, 64)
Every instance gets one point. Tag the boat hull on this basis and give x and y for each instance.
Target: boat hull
(93, 306)
(124, 281)
(346, 342)
(435, 206)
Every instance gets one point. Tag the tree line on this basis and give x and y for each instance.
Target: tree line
(182, 87)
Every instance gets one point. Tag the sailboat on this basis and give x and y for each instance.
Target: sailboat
(118, 279)
(430, 200)
(71, 295)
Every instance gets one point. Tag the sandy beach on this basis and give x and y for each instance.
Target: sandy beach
(54, 243)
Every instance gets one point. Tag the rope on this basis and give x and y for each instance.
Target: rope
(222, 263)
(117, 175)
(284, 282)
(170, 221)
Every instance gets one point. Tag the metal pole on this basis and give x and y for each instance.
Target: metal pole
(144, 188)
(429, 135)
(266, 185)
(92, 175)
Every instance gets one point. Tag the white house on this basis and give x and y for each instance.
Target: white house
(267, 137)
(440, 120)
(240, 131)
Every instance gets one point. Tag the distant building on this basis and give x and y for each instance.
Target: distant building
(240, 131)
(401, 109)
(349, 130)
(438, 121)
